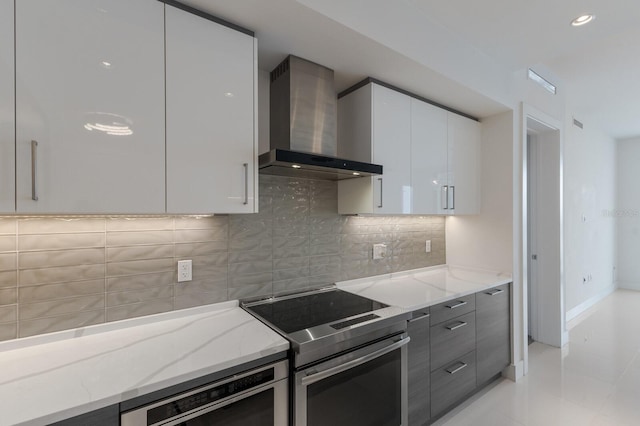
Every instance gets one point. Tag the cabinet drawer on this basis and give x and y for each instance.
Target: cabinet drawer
(453, 308)
(452, 382)
(452, 339)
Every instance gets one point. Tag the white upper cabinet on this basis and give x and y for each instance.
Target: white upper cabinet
(374, 125)
(90, 106)
(7, 119)
(429, 169)
(211, 116)
(464, 165)
(430, 156)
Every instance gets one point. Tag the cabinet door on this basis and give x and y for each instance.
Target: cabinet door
(464, 165)
(392, 149)
(211, 94)
(493, 332)
(7, 105)
(90, 106)
(418, 369)
(428, 158)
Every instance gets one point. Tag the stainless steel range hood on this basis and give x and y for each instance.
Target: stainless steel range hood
(303, 125)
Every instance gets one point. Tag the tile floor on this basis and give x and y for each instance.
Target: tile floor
(594, 380)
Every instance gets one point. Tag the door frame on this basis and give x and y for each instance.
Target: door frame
(554, 297)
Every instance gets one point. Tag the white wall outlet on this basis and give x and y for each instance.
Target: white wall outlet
(184, 270)
(427, 246)
(379, 251)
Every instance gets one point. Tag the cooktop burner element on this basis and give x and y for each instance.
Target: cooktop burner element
(324, 322)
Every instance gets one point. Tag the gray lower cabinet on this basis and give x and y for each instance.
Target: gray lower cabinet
(108, 416)
(418, 369)
(453, 382)
(493, 332)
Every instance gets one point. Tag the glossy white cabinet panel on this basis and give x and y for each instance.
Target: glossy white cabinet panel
(429, 171)
(90, 91)
(211, 116)
(7, 118)
(464, 164)
(375, 122)
(392, 148)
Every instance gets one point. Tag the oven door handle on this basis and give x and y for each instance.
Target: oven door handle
(320, 375)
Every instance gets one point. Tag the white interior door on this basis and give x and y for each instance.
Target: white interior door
(532, 235)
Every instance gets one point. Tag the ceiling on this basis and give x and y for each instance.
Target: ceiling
(597, 63)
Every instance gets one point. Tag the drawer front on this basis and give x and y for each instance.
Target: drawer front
(452, 339)
(493, 331)
(453, 308)
(451, 383)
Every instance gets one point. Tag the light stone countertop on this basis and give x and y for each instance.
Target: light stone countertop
(52, 377)
(420, 288)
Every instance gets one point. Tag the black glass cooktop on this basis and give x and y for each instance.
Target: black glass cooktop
(310, 310)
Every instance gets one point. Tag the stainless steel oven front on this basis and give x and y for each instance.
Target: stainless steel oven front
(363, 387)
(258, 397)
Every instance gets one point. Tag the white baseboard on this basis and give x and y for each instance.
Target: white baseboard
(589, 302)
(514, 372)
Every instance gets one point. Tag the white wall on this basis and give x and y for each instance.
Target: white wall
(485, 240)
(589, 235)
(628, 213)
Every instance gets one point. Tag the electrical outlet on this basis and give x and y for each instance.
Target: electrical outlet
(379, 251)
(427, 246)
(184, 270)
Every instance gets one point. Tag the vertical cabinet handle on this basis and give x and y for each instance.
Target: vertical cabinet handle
(453, 197)
(445, 192)
(246, 183)
(34, 170)
(380, 205)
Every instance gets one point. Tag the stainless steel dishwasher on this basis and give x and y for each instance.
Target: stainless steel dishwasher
(256, 398)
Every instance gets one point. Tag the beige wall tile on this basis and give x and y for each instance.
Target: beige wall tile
(8, 313)
(139, 309)
(136, 296)
(59, 225)
(61, 291)
(139, 267)
(56, 258)
(137, 282)
(119, 254)
(8, 296)
(61, 322)
(8, 278)
(201, 222)
(61, 306)
(8, 261)
(199, 249)
(8, 331)
(201, 235)
(8, 225)
(60, 275)
(199, 299)
(61, 241)
(7, 243)
(140, 223)
(130, 238)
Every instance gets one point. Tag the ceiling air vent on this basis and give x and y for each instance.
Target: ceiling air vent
(577, 123)
(534, 76)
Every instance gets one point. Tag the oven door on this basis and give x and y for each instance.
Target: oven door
(364, 387)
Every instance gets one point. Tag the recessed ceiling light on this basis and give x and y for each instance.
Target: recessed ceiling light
(356, 174)
(582, 20)
(295, 166)
(106, 64)
(229, 95)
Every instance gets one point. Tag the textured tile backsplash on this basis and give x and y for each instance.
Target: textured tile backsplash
(58, 273)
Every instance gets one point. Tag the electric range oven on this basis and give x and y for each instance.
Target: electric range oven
(348, 359)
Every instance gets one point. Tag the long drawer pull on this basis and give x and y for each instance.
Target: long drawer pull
(457, 326)
(457, 305)
(422, 316)
(455, 370)
(493, 293)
